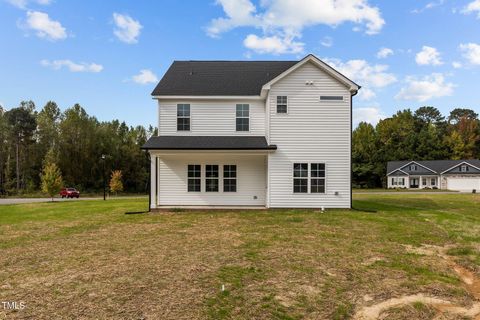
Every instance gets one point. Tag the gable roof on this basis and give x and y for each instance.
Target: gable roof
(438, 166)
(208, 143)
(233, 78)
(219, 78)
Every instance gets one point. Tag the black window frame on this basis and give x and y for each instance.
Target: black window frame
(183, 120)
(229, 178)
(282, 104)
(242, 121)
(212, 176)
(194, 178)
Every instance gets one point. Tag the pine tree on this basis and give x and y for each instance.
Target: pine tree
(51, 178)
(116, 184)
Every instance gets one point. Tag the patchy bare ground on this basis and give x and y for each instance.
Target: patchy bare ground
(408, 257)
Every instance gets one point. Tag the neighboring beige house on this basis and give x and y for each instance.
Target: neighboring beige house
(273, 134)
(456, 175)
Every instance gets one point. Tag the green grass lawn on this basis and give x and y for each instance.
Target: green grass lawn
(83, 260)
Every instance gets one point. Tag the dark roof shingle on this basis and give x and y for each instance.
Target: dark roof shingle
(208, 143)
(219, 78)
(436, 165)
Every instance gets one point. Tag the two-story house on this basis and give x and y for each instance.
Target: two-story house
(274, 134)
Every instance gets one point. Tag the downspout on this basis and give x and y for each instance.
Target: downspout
(354, 93)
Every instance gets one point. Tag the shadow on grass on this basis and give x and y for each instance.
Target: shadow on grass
(136, 212)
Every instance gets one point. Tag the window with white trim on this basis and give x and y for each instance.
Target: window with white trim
(282, 104)
(230, 178)
(309, 178)
(424, 181)
(413, 167)
(464, 168)
(194, 178)
(300, 178)
(243, 117)
(433, 181)
(183, 117)
(211, 178)
(401, 181)
(331, 98)
(317, 178)
(394, 181)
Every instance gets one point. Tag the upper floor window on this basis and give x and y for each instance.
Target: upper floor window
(243, 117)
(464, 168)
(183, 117)
(331, 98)
(413, 167)
(282, 104)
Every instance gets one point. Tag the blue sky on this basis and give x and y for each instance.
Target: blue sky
(108, 55)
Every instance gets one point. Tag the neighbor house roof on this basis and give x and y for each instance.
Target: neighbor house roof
(208, 143)
(234, 78)
(437, 166)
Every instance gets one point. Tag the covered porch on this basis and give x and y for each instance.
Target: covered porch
(205, 172)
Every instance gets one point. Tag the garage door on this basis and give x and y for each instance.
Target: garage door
(463, 184)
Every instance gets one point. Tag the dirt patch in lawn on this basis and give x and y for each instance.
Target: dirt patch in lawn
(445, 309)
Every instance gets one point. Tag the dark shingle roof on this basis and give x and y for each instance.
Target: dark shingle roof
(208, 143)
(219, 78)
(436, 165)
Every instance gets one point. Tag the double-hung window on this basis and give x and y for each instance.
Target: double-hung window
(300, 177)
(464, 168)
(194, 178)
(309, 177)
(317, 177)
(229, 178)
(282, 104)
(243, 117)
(183, 117)
(211, 178)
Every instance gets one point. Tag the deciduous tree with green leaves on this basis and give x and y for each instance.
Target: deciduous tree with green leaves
(51, 177)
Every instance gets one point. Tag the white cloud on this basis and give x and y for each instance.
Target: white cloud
(370, 115)
(428, 56)
(457, 65)
(429, 6)
(366, 94)
(145, 77)
(273, 44)
(327, 42)
(72, 66)
(127, 29)
(286, 19)
(426, 88)
(44, 26)
(22, 4)
(370, 77)
(384, 53)
(471, 52)
(472, 7)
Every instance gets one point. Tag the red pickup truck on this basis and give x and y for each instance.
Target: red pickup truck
(69, 193)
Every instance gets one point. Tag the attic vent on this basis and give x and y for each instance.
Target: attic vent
(331, 98)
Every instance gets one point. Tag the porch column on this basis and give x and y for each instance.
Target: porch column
(153, 181)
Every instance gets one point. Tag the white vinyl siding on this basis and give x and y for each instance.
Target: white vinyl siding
(173, 177)
(314, 132)
(211, 118)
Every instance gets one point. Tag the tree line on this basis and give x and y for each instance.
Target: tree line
(421, 135)
(75, 142)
